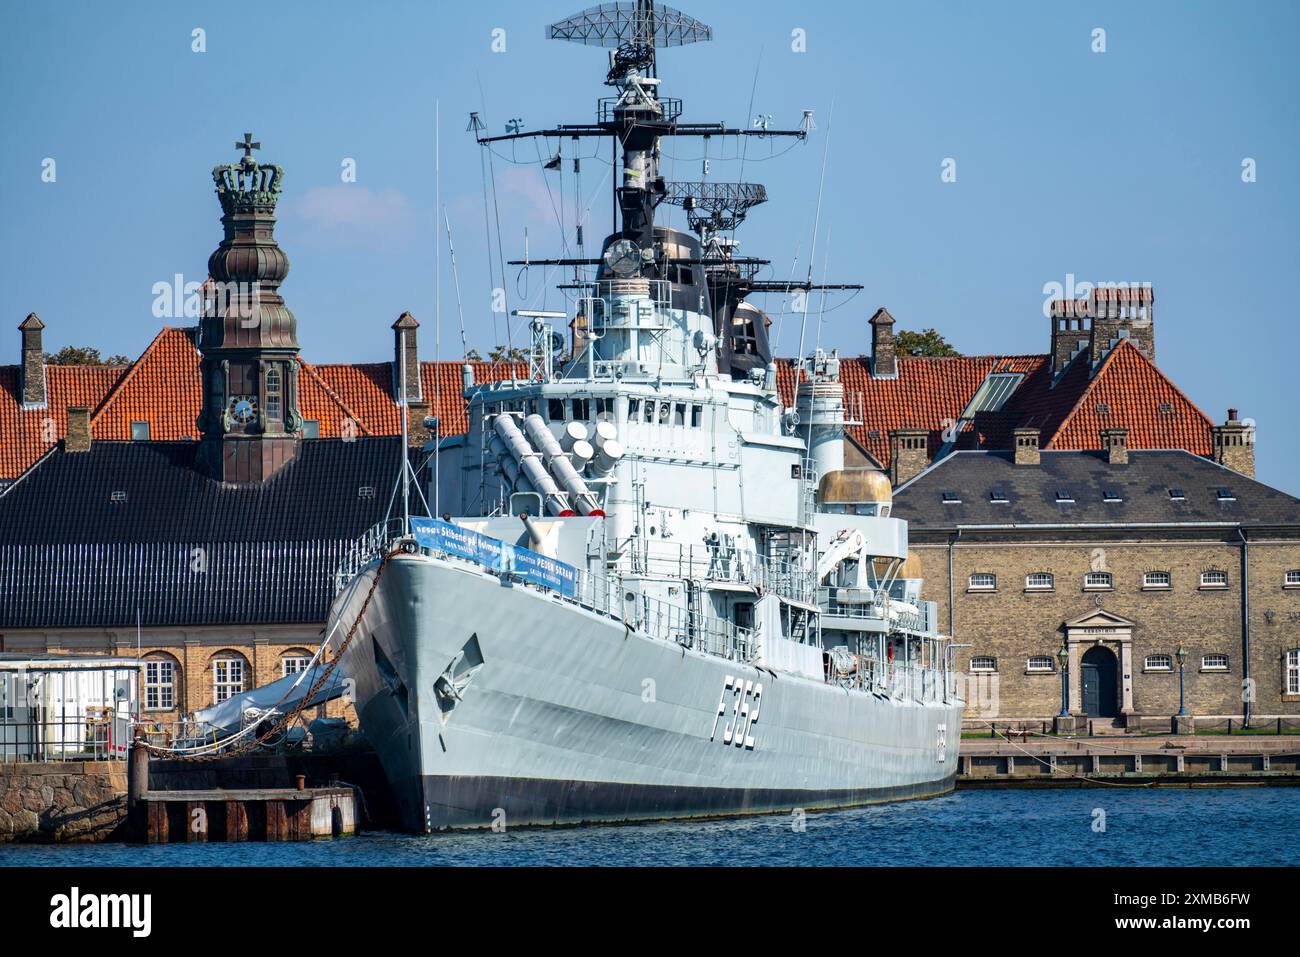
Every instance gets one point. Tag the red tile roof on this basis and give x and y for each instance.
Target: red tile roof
(928, 393)
(932, 393)
(162, 387)
(1134, 390)
(27, 434)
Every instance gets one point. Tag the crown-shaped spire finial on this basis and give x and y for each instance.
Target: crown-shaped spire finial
(248, 186)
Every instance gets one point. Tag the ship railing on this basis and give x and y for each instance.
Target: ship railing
(370, 545)
(670, 109)
(663, 620)
(718, 562)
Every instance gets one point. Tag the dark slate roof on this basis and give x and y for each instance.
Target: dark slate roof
(182, 548)
(969, 479)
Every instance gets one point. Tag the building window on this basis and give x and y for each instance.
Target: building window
(998, 497)
(1176, 495)
(1292, 579)
(1064, 496)
(951, 498)
(139, 431)
(273, 394)
(1158, 663)
(1097, 581)
(1156, 580)
(983, 581)
(1039, 581)
(1214, 663)
(159, 684)
(228, 678)
(1293, 671)
(983, 664)
(1040, 664)
(311, 429)
(1112, 495)
(295, 664)
(1214, 579)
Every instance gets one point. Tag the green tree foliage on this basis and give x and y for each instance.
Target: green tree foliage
(83, 356)
(928, 342)
(502, 354)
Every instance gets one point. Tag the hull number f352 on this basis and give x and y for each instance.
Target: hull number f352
(743, 697)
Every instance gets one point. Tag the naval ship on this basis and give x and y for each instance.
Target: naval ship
(656, 591)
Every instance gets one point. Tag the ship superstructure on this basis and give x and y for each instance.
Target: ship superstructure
(662, 593)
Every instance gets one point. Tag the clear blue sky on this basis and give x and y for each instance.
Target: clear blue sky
(1118, 166)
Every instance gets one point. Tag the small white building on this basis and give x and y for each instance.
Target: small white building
(67, 708)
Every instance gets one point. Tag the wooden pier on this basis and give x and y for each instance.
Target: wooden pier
(1173, 761)
(234, 814)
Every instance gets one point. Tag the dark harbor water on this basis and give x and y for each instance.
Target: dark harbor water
(1108, 827)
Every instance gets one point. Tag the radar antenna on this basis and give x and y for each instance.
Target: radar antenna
(633, 30)
(715, 207)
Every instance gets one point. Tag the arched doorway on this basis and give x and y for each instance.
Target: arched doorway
(1099, 672)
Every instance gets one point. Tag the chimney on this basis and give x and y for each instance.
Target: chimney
(77, 438)
(1234, 445)
(884, 364)
(1071, 331)
(417, 435)
(32, 374)
(1122, 313)
(1114, 443)
(908, 454)
(1026, 440)
(405, 329)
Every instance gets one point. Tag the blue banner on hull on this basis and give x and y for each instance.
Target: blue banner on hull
(496, 554)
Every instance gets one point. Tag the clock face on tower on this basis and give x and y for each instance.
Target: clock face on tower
(243, 408)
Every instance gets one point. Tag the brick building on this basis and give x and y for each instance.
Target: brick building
(1121, 558)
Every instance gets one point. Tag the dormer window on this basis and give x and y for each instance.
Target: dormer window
(998, 497)
(1064, 497)
(1225, 495)
(1177, 495)
(1112, 495)
(139, 431)
(951, 498)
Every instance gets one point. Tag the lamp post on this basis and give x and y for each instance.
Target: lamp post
(1181, 655)
(1063, 656)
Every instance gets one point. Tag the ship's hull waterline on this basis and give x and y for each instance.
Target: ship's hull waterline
(572, 717)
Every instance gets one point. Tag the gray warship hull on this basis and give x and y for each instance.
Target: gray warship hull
(494, 704)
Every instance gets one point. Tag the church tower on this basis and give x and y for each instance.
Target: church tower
(250, 420)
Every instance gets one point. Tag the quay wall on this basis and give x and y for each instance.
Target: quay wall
(62, 801)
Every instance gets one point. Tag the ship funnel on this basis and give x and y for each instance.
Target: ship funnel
(561, 468)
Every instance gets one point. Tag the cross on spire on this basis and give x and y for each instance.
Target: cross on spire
(248, 146)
